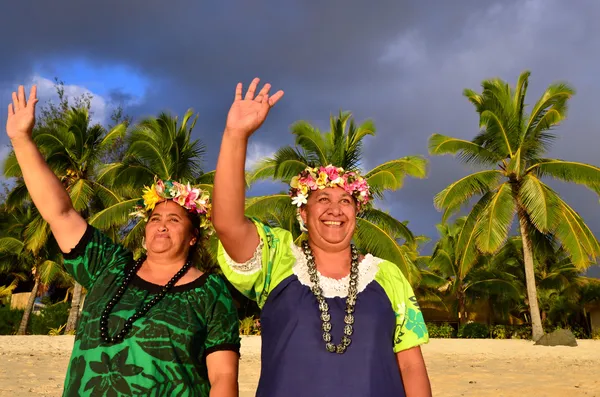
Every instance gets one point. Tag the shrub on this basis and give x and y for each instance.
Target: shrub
(444, 330)
(474, 331)
(50, 317)
(9, 320)
(501, 332)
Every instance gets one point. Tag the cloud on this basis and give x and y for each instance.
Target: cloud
(257, 151)
(404, 64)
(47, 92)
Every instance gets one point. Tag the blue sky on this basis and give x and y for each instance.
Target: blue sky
(402, 63)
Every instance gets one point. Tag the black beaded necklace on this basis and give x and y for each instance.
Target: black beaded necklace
(324, 307)
(140, 312)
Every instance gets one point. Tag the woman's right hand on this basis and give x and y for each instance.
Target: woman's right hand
(248, 114)
(21, 114)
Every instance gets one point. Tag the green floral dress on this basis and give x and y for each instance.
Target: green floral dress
(164, 353)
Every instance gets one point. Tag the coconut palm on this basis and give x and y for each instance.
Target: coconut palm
(45, 265)
(73, 148)
(377, 232)
(510, 149)
(468, 281)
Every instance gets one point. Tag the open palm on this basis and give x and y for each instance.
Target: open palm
(21, 113)
(248, 114)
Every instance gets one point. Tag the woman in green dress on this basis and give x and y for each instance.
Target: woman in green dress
(157, 326)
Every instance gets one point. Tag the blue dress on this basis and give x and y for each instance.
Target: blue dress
(294, 361)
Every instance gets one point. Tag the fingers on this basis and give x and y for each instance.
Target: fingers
(33, 95)
(238, 92)
(15, 101)
(265, 90)
(21, 96)
(11, 111)
(252, 89)
(275, 98)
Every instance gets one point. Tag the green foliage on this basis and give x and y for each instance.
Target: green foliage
(9, 320)
(50, 317)
(444, 330)
(474, 331)
(249, 326)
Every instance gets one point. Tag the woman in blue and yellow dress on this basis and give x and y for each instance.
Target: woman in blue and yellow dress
(333, 322)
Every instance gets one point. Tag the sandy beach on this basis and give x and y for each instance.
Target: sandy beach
(36, 365)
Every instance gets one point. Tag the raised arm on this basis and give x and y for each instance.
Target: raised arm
(45, 189)
(237, 233)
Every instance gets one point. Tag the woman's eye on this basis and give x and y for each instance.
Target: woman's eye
(153, 219)
(174, 220)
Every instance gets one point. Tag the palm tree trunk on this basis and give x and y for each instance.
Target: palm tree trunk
(534, 309)
(462, 311)
(74, 312)
(29, 308)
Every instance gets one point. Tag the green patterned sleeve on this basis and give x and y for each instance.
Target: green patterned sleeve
(410, 329)
(223, 330)
(272, 262)
(93, 254)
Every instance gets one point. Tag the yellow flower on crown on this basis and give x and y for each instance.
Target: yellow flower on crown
(151, 198)
(322, 180)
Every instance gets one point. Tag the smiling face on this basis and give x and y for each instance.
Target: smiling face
(330, 217)
(169, 231)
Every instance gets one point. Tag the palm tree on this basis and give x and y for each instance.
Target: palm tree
(157, 146)
(509, 148)
(73, 149)
(377, 232)
(15, 257)
(468, 280)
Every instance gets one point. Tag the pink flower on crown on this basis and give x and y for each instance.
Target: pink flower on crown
(160, 187)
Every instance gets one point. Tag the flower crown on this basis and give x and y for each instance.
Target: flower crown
(195, 200)
(321, 177)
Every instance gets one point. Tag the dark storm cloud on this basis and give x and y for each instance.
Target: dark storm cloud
(402, 63)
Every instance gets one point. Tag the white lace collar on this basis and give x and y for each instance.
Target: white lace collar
(367, 269)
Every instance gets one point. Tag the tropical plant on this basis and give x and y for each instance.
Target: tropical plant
(510, 148)
(467, 281)
(73, 148)
(45, 264)
(377, 232)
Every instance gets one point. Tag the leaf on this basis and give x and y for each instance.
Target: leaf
(81, 193)
(466, 244)
(11, 245)
(568, 171)
(462, 190)
(371, 238)
(116, 214)
(390, 175)
(467, 151)
(539, 201)
(496, 219)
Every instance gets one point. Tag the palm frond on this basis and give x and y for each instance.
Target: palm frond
(568, 171)
(539, 201)
(117, 214)
(496, 219)
(467, 151)
(388, 223)
(390, 175)
(373, 239)
(462, 190)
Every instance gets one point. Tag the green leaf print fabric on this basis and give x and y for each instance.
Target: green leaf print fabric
(164, 353)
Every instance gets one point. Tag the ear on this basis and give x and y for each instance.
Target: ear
(303, 214)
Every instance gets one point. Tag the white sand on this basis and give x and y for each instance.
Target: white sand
(36, 366)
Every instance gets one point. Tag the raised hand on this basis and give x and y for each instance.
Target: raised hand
(248, 114)
(21, 114)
